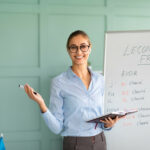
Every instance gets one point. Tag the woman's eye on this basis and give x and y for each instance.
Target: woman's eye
(83, 46)
(73, 47)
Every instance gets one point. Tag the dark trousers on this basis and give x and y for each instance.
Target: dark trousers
(97, 142)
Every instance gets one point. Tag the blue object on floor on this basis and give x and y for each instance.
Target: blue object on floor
(2, 146)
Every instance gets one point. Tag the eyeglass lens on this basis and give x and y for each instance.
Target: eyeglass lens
(83, 48)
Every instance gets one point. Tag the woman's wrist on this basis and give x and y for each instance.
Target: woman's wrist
(105, 126)
(42, 106)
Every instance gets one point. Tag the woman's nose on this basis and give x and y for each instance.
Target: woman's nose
(79, 51)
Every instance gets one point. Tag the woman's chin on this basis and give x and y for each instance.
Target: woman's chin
(80, 63)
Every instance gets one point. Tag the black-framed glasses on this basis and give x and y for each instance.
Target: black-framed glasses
(74, 48)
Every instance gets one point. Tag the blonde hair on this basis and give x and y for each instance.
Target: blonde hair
(75, 33)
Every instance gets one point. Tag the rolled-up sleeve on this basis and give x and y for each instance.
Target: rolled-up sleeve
(54, 116)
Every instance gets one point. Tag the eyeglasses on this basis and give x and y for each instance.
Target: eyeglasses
(83, 48)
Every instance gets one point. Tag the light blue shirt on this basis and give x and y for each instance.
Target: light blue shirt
(71, 105)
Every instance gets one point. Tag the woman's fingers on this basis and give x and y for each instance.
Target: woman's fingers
(117, 118)
(29, 91)
(26, 89)
(102, 121)
(110, 122)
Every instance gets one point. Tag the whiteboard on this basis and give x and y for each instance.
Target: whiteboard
(127, 86)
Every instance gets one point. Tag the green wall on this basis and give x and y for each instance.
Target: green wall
(33, 36)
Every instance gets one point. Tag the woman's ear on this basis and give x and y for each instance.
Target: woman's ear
(90, 45)
(90, 48)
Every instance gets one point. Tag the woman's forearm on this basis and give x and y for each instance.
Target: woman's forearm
(43, 107)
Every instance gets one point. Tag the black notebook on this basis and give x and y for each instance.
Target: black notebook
(113, 115)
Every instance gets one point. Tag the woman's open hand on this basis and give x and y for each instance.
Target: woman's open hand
(30, 92)
(108, 122)
(36, 97)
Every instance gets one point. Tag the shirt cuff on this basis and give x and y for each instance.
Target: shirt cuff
(102, 126)
(48, 116)
(45, 114)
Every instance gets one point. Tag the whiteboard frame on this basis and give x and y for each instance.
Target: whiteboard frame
(113, 32)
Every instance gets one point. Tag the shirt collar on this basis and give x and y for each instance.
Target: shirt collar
(72, 74)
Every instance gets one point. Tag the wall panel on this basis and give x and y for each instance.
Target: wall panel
(20, 1)
(19, 40)
(78, 2)
(17, 113)
(128, 3)
(24, 145)
(122, 22)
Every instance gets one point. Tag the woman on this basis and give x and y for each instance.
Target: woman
(76, 96)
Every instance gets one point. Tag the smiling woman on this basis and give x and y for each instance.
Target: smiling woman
(76, 96)
(79, 47)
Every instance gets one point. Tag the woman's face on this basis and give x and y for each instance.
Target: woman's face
(79, 50)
